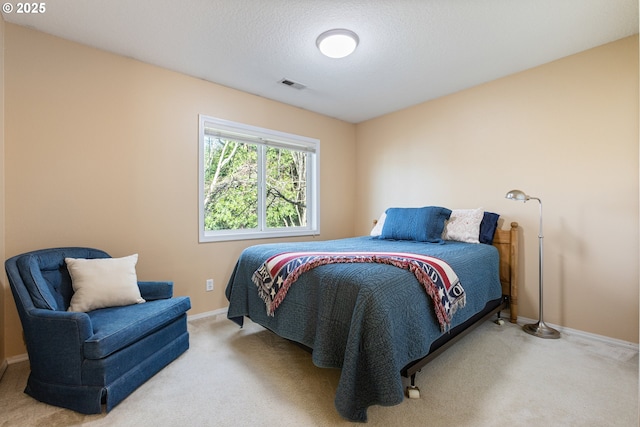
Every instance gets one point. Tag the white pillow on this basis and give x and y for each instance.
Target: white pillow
(464, 225)
(377, 229)
(103, 282)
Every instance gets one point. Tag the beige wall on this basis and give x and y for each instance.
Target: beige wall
(104, 151)
(566, 132)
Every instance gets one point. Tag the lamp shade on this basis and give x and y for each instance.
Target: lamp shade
(337, 43)
(517, 195)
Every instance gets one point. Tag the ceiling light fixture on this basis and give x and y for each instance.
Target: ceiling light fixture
(337, 43)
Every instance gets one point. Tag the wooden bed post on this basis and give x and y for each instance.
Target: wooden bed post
(506, 241)
(513, 263)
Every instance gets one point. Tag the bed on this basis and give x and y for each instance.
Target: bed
(373, 320)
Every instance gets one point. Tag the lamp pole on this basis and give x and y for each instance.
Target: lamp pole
(540, 329)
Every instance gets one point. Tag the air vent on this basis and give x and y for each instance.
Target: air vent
(292, 84)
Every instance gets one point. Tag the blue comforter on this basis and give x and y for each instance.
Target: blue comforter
(369, 320)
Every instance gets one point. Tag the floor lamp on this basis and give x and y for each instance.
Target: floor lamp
(539, 329)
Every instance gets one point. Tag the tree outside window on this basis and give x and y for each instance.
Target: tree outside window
(255, 182)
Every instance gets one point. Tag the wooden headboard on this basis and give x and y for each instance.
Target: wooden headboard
(507, 243)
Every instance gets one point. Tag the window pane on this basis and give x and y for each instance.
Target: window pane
(255, 183)
(230, 184)
(286, 188)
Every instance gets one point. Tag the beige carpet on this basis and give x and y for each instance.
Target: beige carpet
(249, 377)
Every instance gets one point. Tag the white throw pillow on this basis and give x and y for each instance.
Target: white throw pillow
(464, 225)
(377, 229)
(103, 282)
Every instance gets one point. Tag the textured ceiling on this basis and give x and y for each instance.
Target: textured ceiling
(410, 51)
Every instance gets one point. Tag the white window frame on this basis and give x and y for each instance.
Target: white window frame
(262, 137)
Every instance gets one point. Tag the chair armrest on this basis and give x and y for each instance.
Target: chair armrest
(54, 342)
(64, 323)
(156, 290)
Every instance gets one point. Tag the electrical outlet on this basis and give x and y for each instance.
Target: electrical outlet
(209, 285)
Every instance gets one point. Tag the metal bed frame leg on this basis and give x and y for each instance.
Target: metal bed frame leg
(411, 370)
(413, 392)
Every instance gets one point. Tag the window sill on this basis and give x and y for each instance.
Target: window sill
(229, 236)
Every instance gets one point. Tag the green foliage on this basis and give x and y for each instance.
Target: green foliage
(286, 188)
(231, 186)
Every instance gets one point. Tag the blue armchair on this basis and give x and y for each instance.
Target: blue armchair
(83, 360)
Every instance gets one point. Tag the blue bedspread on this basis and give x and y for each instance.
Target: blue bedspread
(369, 320)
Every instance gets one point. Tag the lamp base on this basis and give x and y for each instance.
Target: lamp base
(541, 330)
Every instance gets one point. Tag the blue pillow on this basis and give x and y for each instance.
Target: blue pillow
(488, 227)
(420, 224)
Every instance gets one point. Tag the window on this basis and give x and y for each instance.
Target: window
(256, 183)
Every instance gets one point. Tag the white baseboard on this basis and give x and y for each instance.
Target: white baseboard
(521, 320)
(223, 312)
(214, 313)
(586, 335)
(17, 359)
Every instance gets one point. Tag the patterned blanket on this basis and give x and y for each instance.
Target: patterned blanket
(279, 272)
